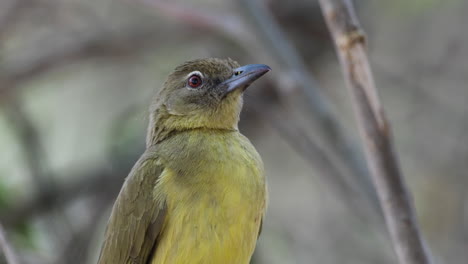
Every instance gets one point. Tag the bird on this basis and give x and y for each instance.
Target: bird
(198, 193)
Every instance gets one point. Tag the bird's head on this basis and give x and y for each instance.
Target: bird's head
(204, 93)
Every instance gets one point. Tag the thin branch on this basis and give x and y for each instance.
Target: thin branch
(104, 44)
(375, 131)
(7, 249)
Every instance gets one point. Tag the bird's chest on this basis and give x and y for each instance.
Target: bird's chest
(223, 184)
(218, 170)
(214, 208)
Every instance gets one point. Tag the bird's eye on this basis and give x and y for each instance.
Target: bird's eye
(194, 81)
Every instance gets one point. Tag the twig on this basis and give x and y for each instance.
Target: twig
(10, 255)
(375, 132)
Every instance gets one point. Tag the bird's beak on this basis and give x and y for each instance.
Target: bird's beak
(245, 76)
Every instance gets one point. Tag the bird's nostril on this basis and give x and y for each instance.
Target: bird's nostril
(238, 73)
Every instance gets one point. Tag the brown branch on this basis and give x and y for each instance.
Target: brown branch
(374, 128)
(7, 249)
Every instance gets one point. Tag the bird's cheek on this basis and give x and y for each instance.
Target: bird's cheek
(178, 109)
(180, 105)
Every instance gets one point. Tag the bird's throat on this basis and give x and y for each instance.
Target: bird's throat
(164, 124)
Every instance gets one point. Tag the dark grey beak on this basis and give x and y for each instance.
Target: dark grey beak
(245, 76)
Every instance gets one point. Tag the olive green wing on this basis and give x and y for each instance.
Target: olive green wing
(136, 219)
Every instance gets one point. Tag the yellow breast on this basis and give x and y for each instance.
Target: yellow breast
(215, 204)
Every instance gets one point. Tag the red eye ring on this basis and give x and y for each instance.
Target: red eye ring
(194, 81)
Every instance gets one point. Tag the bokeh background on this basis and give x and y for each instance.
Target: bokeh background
(77, 76)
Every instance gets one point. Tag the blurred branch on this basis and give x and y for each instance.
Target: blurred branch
(375, 132)
(102, 185)
(341, 148)
(285, 50)
(227, 24)
(35, 162)
(76, 247)
(98, 45)
(7, 249)
(100, 181)
(283, 122)
(28, 138)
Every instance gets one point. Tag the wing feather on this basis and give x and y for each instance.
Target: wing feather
(136, 219)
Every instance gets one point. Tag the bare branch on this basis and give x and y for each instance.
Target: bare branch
(375, 132)
(7, 249)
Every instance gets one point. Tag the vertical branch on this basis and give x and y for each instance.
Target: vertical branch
(5, 246)
(375, 132)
